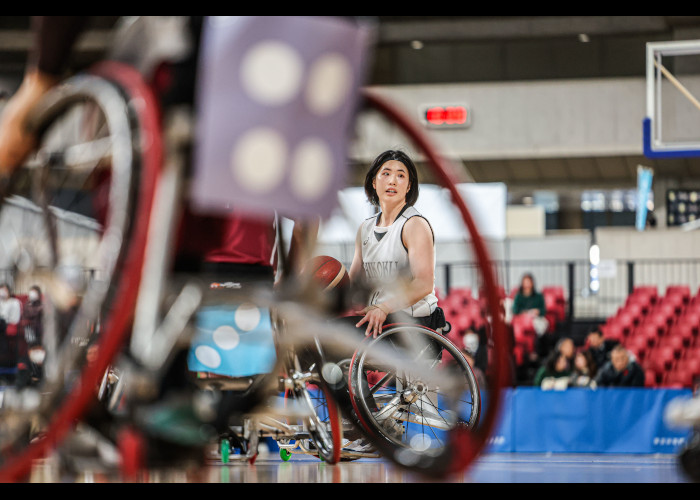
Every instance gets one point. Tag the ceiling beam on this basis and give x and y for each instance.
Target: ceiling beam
(23, 40)
(510, 28)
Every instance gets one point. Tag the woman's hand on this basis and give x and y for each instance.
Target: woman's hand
(374, 316)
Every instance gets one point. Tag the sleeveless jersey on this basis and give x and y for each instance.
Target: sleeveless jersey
(385, 260)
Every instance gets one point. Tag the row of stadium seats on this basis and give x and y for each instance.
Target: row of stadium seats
(662, 332)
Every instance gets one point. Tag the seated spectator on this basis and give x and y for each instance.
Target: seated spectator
(599, 347)
(475, 342)
(31, 352)
(620, 371)
(10, 309)
(566, 347)
(554, 373)
(33, 317)
(478, 372)
(585, 370)
(529, 301)
(10, 315)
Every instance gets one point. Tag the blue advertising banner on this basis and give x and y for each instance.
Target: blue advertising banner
(644, 178)
(606, 420)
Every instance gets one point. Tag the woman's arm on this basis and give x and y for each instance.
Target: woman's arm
(356, 266)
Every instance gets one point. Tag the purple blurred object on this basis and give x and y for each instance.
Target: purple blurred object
(276, 97)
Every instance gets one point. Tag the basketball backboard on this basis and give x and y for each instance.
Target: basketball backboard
(671, 127)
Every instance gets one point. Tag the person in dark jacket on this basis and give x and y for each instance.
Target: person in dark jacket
(620, 371)
(599, 347)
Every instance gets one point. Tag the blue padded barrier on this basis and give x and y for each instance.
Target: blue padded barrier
(606, 420)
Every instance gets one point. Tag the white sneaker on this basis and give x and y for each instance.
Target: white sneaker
(358, 446)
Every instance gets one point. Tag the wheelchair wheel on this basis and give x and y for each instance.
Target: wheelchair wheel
(413, 420)
(322, 420)
(71, 224)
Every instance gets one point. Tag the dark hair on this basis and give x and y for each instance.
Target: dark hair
(38, 290)
(592, 366)
(596, 330)
(532, 279)
(411, 195)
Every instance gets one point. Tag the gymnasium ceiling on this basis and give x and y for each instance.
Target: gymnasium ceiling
(481, 48)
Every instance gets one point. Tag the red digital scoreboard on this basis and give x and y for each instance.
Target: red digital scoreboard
(446, 116)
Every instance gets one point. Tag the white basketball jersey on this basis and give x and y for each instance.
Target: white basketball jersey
(385, 260)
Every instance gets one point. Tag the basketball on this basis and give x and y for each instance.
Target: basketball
(328, 272)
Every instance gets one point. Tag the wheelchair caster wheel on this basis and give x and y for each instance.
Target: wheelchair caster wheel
(225, 451)
(285, 455)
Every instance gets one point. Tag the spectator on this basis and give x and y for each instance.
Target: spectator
(600, 347)
(10, 309)
(584, 371)
(620, 371)
(555, 372)
(566, 348)
(31, 354)
(33, 316)
(476, 343)
(478, 372)
(528, 299)
(10, 315)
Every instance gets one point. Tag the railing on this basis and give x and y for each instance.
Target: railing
(616, 280)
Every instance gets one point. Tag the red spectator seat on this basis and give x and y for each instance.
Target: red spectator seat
(660, 359)
(643, 301)
(674, 304)
(693, 306)
(683, 331)
(626, 321)
(555, 308)
(650, 378)
(649, 332)
(613, 331)
(678, 379)
(691, 318)
(555, 291)
(681, 290)
(674, 342)
(659, 319)
(649, 290)
(692, 352)
(638, 345)
(636, 310)
(691, 365)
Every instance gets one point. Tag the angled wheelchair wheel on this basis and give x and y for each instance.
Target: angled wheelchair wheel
(412, 419)
(72, 223)
(322, 416)
(462, 442)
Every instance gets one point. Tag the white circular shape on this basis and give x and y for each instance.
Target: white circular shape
(332, 373)
(421, 442)
(207, 356)
(407, 457)
(247, 317)
(312, 169)
(271, 72)
(258, 160)
(226, 337)
(330, 80)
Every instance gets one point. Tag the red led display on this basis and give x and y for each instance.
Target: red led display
(446, 115)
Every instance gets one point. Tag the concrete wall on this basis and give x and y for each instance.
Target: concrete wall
(534, 119)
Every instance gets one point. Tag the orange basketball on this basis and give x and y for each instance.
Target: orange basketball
(328, 272)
